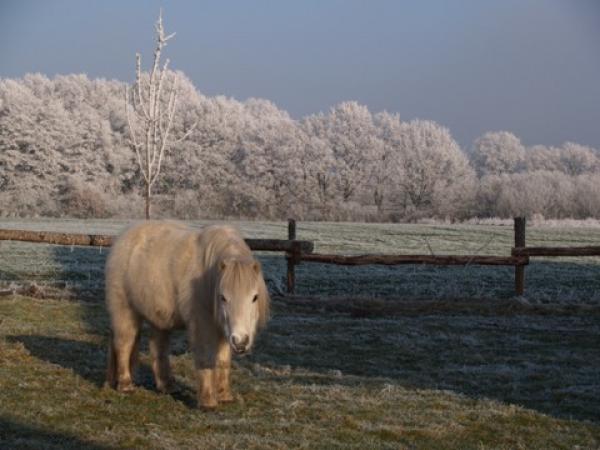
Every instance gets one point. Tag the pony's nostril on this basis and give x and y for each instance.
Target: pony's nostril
(240, 341)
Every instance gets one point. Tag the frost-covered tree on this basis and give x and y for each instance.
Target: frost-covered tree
(318, 188)
(496, 153)
(154, 105)
(540, 157)
(65, 150)
(34, 134)
(349, 131)
(550, 194)
(266, 160)
(586, 196)
(384, 157)
(433, 174)
(210, 170)
(577, 159)
(571, 159)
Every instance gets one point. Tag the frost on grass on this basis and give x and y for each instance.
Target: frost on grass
(315, 380)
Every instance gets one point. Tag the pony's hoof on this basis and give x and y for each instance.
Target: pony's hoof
(208, 405)
(126, 388)
(208, 408)
(226, 398)
(167, 388)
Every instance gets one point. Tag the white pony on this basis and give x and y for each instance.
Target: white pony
(173, 277)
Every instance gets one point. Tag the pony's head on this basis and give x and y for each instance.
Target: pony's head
(242, 301)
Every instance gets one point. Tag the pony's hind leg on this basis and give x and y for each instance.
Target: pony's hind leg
(111, 369)
(126, 333)
(159, 349)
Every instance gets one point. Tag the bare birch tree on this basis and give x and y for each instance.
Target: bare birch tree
(150, 111)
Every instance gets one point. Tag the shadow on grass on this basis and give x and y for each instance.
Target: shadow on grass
(542, 361)
(88, 360)
(17, 435)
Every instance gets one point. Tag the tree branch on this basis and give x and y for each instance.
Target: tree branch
(138, 81)
(132, 131)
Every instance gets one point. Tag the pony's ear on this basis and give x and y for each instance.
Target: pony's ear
(256, 266)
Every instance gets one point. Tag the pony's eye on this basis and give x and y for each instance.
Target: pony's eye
(222, 298)
(255, 298)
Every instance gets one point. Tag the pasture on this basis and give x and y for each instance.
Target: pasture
(368, 357)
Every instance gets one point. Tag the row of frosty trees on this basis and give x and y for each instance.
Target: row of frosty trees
(65, 150)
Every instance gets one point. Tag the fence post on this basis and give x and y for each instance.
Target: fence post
(291, 258)
(519, 242)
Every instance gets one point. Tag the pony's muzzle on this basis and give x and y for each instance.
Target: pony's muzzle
(240, 343)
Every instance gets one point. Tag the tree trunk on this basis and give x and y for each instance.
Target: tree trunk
(147, 198)
(378, 199)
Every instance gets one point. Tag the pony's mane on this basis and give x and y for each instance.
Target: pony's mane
(220, 243)
(244, 274)
(239, 274)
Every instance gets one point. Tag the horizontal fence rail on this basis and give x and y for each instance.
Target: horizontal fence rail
(436, 260)
(50, 237)
(280, 245)
(101, 240)
(556, 251)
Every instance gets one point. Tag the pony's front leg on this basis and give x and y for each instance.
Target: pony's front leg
(224, 372)
(204, 347)
(207, 393)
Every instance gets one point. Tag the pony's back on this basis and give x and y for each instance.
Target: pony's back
(144, 267)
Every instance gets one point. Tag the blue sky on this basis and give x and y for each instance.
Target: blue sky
(527, 66)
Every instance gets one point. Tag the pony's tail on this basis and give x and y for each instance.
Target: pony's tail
(111, 367)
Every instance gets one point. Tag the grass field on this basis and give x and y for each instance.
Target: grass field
(405, 357)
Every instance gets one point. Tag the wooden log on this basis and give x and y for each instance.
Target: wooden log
(556, 251)
(279, 245)
(437, 260)
(520, 242)
(292, 258)
(50, 237)
(99, 240)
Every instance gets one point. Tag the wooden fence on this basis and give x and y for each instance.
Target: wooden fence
(296, 256)
(299, 251)
(519, 258)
